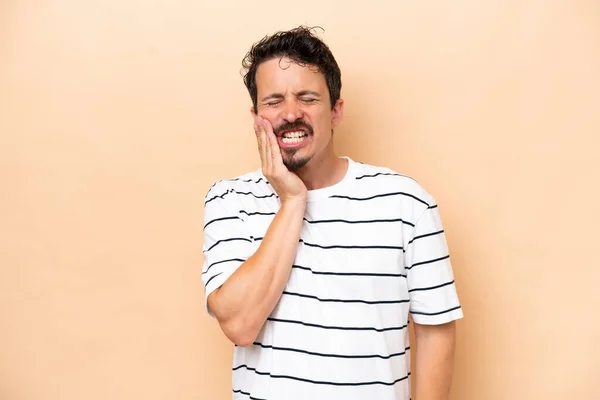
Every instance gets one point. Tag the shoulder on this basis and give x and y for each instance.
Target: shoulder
(234, 187)
(385, 180)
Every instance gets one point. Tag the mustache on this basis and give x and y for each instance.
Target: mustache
(294, 126)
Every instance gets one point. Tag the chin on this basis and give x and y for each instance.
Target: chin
(295, 163)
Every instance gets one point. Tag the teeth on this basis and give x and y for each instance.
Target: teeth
(294, 134)
(292, 140)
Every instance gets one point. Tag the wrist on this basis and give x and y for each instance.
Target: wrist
(297, 203)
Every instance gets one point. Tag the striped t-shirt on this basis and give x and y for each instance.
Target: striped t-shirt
(372, 251)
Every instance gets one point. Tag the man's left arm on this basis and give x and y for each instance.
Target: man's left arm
(434, 305)
(434, 360)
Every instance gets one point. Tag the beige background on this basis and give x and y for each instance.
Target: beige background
(116, 116)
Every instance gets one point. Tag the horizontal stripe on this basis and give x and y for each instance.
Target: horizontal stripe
(436, 313)
(270, 375)
(340, 246)
(431, 287)
(378, 196)
(257, 213)
(221, 262)
(220, 219)
(311, 353)
(428, 262)
(341, 328)
(240, 179)
(343, 300)
(384, 174)
(248, 394)
(249, 180)
(345, 221)
(432, 207)
(228, 240)
(349, 273)
(425, 235)
(222, 196)
(217, 197)
(367, 221)
(213, 277)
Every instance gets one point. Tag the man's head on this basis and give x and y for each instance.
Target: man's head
(295, 82)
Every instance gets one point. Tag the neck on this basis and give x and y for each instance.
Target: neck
(323, 172)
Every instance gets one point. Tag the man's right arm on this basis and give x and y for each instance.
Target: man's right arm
(243, 303)
(245, 300)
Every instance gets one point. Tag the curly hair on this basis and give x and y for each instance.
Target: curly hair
(300, 45)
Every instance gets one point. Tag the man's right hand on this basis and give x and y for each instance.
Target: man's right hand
(246, 299)
(286, 184)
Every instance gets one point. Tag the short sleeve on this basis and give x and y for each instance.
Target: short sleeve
(431, 287)
(226, 243)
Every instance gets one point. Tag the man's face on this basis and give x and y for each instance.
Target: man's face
(295, 100)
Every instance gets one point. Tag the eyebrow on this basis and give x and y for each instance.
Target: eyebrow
(308, 92)
(299, 94)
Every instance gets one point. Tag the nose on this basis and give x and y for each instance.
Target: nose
(292, 111)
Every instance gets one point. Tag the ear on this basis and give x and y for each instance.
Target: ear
(337, 113)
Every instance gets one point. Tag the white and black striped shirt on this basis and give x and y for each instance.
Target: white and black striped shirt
(372, 252)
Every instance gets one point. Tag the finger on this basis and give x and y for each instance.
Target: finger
(258, 143)
(260, 139)
(268, 148)
(273, 145)
(276, 157)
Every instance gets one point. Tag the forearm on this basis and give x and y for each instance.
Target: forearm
(434, 361)
(245, 300)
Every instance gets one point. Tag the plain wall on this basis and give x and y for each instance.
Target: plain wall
(116, 117)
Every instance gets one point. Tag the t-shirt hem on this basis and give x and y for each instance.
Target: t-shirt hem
(438, 319)
(216, 283)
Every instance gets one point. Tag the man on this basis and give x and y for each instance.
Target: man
(314, 262)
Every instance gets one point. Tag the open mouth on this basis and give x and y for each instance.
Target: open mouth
(292, 138)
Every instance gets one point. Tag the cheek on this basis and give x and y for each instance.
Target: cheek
(320, 121)
(270, 116)
(322, 137)
(322, 125)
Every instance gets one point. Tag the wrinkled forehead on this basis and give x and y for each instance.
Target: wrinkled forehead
(282, 75)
